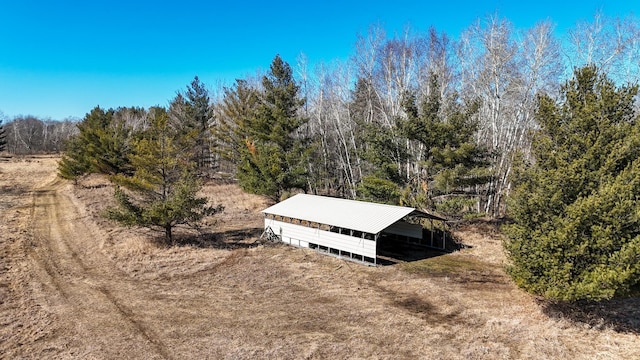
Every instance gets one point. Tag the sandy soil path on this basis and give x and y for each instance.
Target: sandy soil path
(82, 286)
(60, 296)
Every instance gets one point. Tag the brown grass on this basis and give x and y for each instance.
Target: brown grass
(222, 294)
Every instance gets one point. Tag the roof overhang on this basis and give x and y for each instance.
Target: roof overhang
(426, 215)
(351, 214)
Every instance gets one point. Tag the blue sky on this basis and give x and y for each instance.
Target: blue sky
(59, 59)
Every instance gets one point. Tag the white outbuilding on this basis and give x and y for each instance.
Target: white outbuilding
(351, 229)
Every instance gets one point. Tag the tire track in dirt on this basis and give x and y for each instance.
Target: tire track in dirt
(82, 285)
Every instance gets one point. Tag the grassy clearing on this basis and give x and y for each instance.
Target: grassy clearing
(244, 300)
(224, 295)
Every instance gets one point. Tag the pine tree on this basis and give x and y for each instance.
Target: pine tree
(234, 115)
(383, 153)
(382, 148)
(74, 162)
(101, 146)
(576, 231)
(192, 116)
(3, 140)
(451, 163)
(163, 182)
(275, 153)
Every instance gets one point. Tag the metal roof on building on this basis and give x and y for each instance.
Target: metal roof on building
(350, 214)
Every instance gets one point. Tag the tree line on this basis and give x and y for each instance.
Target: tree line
(360, 117)
(26, 135)
(491, 68)
(365, 115)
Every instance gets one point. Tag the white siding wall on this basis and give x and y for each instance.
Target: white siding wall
(299, 235)
(406, 229)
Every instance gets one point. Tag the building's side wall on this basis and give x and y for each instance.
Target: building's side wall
(406, 229)
(300, 235)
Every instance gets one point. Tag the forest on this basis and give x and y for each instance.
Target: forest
(497, 123)
(414, 118)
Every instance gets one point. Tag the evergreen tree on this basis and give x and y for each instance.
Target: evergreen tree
(576, 231)
(3, 140)
(192, 116)
(451, 164)
(383, 153)
(101, 146)
(234, 116)
(163, 181)
(275, 154)
(382, 148)
(74, 162)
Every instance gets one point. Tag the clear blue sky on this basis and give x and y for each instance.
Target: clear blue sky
(59, 59)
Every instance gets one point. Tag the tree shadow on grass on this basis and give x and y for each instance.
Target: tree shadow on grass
(620, 315)
(420, 306)
(230, 239)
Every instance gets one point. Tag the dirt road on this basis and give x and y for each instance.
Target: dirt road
(85, 283)
(74, 286)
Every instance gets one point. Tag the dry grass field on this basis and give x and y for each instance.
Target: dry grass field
(73, 285)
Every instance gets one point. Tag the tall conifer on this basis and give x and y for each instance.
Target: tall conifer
(233, 117)
(192, 116)
(274, 156)
(451, 164)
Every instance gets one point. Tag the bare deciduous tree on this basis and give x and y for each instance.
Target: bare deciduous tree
(31, 135)
(612, 45)
(506, 70)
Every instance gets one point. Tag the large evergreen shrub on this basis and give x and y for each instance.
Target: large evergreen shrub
(576, 231)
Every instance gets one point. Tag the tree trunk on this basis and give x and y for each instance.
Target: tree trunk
(167, 233)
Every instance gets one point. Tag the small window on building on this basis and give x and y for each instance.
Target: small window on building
(334, 229)
(369, 236)
(357, 234)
